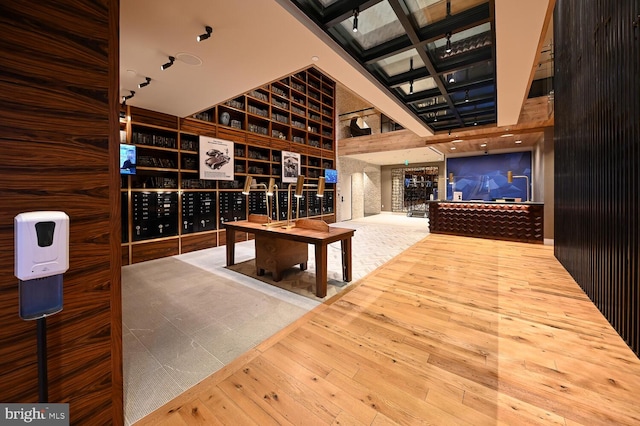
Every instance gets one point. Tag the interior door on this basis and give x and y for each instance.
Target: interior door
(344, 200)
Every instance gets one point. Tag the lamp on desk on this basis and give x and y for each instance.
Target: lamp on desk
(299, 185)
(248, 184)
(272, 189)
(510, 178)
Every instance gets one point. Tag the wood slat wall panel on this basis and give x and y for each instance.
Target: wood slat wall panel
(597, 136)
(59, 133)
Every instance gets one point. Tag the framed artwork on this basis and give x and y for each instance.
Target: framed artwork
(216, 159)
(290, 166)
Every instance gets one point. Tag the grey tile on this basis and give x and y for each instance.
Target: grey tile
(148, 392)
(136, 359)
(192, 366)
(165, 342)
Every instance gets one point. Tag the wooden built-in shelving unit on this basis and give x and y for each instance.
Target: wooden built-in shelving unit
(167, 209)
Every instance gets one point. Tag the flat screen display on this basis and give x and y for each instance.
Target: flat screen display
(330, 176)
(127, 159)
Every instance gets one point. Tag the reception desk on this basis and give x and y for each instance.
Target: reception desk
(488, 219)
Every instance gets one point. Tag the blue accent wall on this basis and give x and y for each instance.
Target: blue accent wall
(484, 177)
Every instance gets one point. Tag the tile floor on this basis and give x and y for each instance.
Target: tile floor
(185, 317)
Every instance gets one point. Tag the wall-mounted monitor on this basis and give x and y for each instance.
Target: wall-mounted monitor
(128, 159)
(330, 176)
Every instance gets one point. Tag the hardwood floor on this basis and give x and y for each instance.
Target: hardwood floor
(454, 330)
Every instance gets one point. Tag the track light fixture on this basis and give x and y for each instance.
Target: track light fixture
(448, 45)
(466, 95)
(144, 84)
(172, 59)
(451, 78)
(356, 12)
(127, 97)
(411, 82)
(206, 35)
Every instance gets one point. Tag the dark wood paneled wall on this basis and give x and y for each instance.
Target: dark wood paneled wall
(597, 147)
(58, 140)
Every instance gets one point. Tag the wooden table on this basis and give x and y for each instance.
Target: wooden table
(319, 238)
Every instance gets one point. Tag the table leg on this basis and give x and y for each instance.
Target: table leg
(231, 247)
(321, 270)
(346, 259)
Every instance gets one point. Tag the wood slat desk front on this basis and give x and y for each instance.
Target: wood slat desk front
(320, 240)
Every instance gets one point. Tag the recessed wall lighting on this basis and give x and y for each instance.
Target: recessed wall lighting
(518, 141)
(482, 145)
(456, 140)
(506, 135)
(453, 148)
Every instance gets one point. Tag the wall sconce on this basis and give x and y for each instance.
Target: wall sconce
(172, 59)
(510, 178)
(206, 35)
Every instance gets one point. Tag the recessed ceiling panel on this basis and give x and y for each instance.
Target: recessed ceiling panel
(401, 63)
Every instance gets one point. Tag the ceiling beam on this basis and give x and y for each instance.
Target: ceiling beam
(407, 24)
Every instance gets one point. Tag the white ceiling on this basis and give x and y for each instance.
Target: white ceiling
(427, 154)
(258, 41)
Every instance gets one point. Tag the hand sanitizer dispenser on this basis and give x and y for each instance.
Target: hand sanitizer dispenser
(41, 257)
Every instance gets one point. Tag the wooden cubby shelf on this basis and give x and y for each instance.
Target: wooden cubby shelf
(167, 209)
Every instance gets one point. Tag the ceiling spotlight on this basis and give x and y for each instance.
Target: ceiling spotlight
(466, 95)
(206, 35)
(448, 45)
(126, 98)
(146, 83)
(411, 87)
(451, 78)
(172, 59)
(356, 12)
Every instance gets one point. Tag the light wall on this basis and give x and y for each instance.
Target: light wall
(364, 187)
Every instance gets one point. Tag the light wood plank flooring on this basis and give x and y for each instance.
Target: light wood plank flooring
(453, 331)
